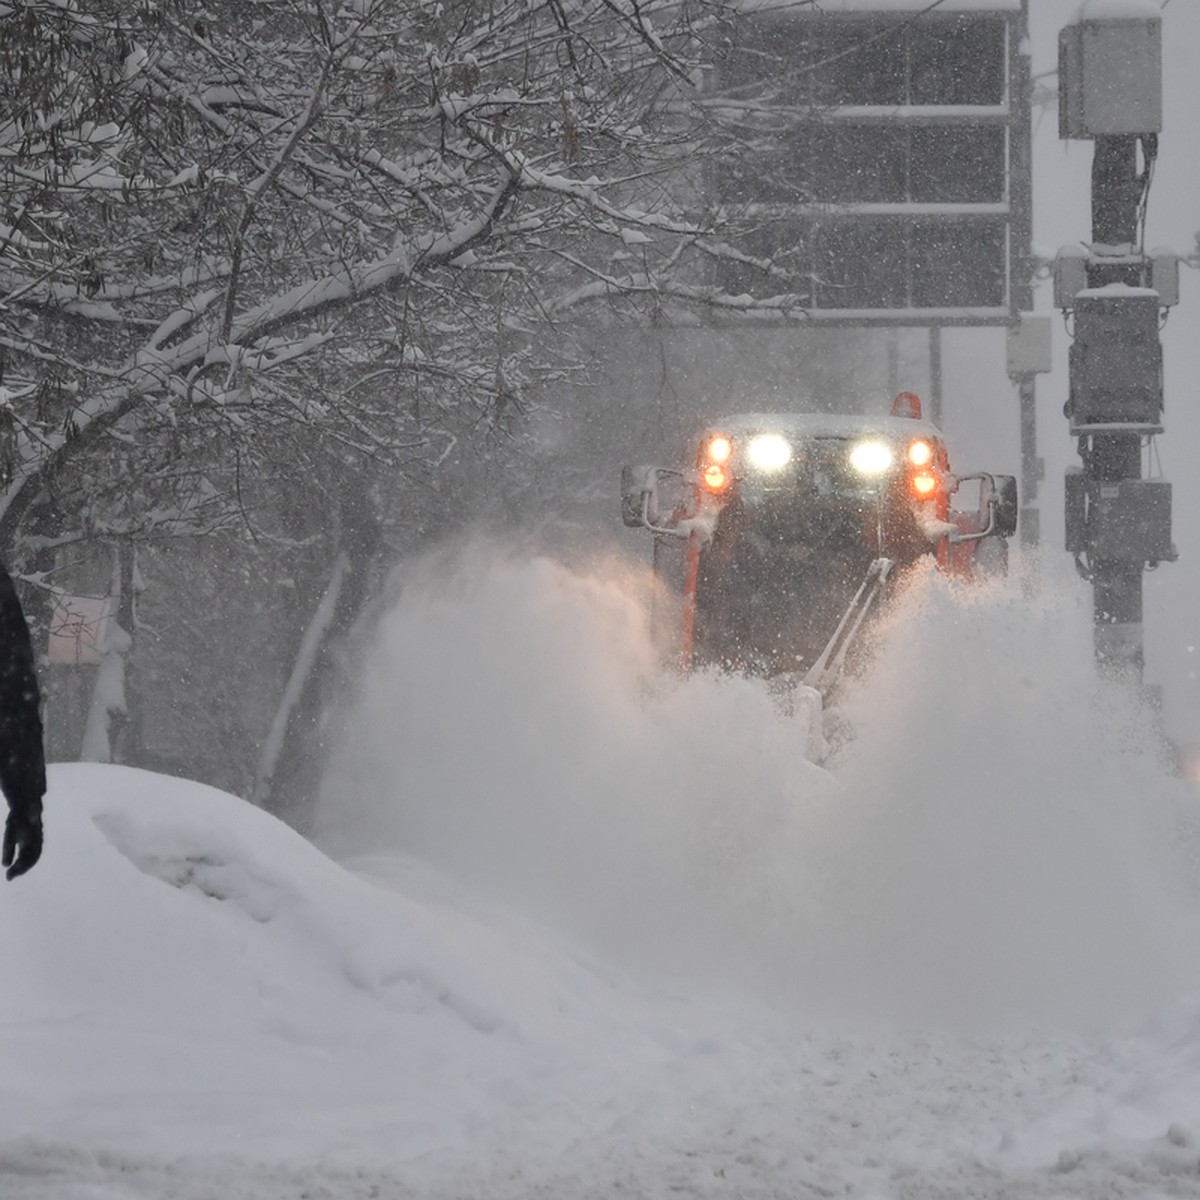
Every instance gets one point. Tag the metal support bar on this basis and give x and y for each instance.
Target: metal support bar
(827, 670)
(1020, 262)
(1031, 465)
(935, 374)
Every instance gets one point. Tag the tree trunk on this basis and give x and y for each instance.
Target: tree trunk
(293, 755)
(108, 722)
(299, 710)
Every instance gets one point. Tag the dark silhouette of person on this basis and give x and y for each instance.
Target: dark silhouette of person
(22, 752)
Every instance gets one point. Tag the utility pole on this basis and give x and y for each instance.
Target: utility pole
(1117, 522)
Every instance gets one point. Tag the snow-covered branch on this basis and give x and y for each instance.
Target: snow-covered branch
(242, 212)
(257, 188)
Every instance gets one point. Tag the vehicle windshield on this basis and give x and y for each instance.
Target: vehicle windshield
(791, 545)
(820, 471)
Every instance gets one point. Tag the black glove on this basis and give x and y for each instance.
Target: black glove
(22, 839)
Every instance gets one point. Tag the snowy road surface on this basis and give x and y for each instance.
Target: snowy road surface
(579, 931)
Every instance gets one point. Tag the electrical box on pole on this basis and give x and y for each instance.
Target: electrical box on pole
(1117, 522)
(1128, 520)
(1029, 346)
(1116, 361)
(1110, 71)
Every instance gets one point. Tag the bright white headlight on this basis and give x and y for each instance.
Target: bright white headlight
(768, 452)
(871, 458)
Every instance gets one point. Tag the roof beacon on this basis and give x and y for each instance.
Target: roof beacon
(907, 404)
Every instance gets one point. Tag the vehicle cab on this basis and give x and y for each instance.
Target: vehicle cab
(786, 517)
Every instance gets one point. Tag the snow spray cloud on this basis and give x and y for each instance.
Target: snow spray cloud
(514, 728)
(1011, 830)
(982, 851)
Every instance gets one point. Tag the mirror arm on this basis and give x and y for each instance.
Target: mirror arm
(665, 530)
(956, 539)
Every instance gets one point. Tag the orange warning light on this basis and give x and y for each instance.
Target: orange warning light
(719, 449)
(907, 404)
(715, 477)
(924, 484)
(920, 454)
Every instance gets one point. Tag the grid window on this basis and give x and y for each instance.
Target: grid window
(858, 62)
(958, 264)
(879, 61)
(781, 74)
(858, 163)
(957, 164)
(877, 263)
(956, 62)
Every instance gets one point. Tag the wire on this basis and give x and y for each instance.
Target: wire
(1150, 154)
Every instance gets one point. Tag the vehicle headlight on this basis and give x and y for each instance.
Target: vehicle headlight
(768, 452)
(871, 458)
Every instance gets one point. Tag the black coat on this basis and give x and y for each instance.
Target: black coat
(22, 752)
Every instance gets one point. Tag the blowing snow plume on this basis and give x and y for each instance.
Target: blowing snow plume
(1011, 844)
(513, 727)
(985, 849)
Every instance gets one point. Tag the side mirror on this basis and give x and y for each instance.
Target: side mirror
(642, 505)
(1004, 498)
(639, 500)
(996, 515)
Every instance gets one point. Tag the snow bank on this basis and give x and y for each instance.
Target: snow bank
(188, 975)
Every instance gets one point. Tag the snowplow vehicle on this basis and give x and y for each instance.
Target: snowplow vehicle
(782, 538)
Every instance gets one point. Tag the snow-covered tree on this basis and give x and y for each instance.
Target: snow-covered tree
(249, 250)
(267, 215)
